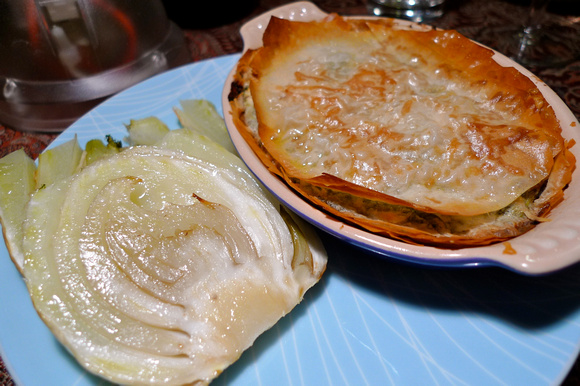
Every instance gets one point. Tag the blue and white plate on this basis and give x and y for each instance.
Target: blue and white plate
(370, 321)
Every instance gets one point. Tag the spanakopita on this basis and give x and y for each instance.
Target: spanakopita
(413, 133)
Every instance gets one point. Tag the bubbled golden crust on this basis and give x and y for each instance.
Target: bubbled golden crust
(417, 134)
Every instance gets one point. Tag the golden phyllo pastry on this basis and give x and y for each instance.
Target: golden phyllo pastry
(413, 133)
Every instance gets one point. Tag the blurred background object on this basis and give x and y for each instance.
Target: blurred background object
(542, 39)
(415, 10)
(60, 58)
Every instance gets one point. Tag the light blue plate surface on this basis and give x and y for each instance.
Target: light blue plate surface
(369, 321)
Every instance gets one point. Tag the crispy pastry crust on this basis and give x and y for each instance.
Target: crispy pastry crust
(516, 127)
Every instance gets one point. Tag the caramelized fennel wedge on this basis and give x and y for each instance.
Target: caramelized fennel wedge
(162, 264)
(16, 186)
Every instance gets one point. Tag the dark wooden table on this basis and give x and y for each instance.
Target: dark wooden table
(216, 33)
